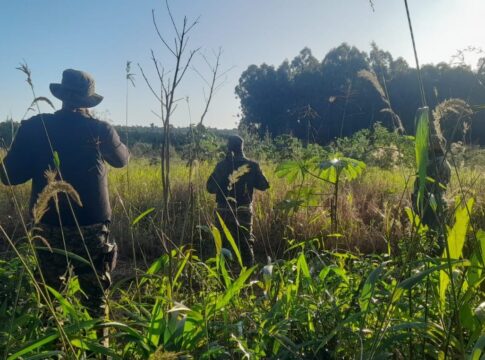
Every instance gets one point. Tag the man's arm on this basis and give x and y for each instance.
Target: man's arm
(260, 181)
(112, 149)
(16, 168)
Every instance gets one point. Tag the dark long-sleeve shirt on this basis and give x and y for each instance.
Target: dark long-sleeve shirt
(234, 180)
(82, 144)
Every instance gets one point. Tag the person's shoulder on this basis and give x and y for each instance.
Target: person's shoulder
(35, 121)
(102, 125)
(252, 163)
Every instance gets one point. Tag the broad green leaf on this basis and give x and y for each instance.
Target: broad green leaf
(173, 330)
(156, 327)
(230, 239)
(457, 235)
(158, 264)
(339, 167)
(456, 240)
(234, 289)
(478, 349)
(368, 288)
(421, 150)
(289, 170)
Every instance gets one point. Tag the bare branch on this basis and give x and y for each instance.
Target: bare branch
(192, 53)
(200, 75)
(226, 71)
(196, 21)
(160, 35)
(172, 20)
(159, 73)
(214, 69)
(157, 115)
(149, 84)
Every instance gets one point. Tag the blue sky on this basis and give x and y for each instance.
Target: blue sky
(99, 36)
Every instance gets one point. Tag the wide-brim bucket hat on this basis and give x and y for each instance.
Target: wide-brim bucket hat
(77, 88)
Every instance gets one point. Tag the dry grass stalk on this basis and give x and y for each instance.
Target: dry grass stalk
(372, 78)
(236, 175)
(49, 192)
(443, 112)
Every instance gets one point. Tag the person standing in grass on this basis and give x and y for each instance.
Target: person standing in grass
(233, 182)
(64, 154)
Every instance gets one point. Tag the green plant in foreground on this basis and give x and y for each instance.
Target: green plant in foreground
(333, 171)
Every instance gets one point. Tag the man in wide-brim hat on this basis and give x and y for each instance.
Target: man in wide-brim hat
(70, 147)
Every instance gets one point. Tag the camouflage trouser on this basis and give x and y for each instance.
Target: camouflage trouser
(240, 224)
(94, 276)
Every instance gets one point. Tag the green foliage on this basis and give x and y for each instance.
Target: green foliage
(277, 99)
(340, 168)
(379, 147)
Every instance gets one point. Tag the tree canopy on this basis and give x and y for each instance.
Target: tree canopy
(320, 100)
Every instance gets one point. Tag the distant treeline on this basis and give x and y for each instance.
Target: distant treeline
(321, 100)
(141, 138)
(153, 135)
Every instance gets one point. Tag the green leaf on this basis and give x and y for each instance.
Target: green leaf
(89, 345)
(217, 239)
(289, 170)
(123, 327)
(65, 305)
(338, 166)
(158, 264)
(457, 235)
(368, 288)
(478, 348)
(481, 246)
(456, 241)
(142, 215)
(409, 283)
(65, 253)
(57, 160)
(230, 239)
(157, 324)
(234, 288)
(301, 268)
(421, 150)
(34, 345)
(181, 267)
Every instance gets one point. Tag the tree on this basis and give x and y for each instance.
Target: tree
(320, 101)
